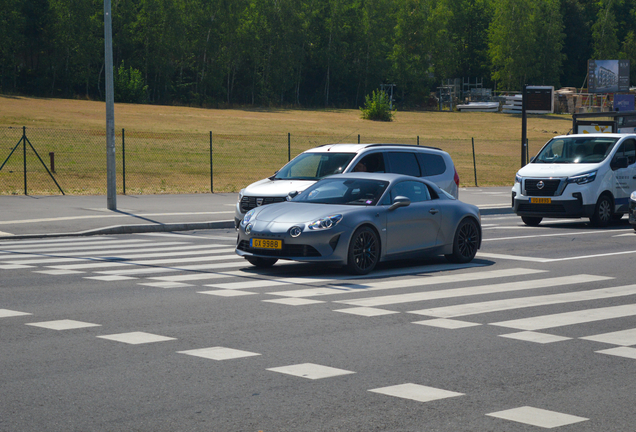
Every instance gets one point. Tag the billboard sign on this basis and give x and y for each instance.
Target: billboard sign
(624, 102)
(539, 99)
(607, 76)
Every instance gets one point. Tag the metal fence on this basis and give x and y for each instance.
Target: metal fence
(73, 162)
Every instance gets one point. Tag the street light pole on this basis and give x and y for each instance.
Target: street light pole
(111, 179)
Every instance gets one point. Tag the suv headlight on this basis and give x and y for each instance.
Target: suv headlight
(325, 223)
(240, 195)
(583, 178)
(517, 178)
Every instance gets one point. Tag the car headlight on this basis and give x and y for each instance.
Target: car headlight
(583, 178)
(325, 223)
(240, 195)
(248, 216)
(633, 196)
(517, 178)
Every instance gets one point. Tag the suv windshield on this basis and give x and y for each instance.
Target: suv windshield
(314, 166)
(343, 191)
(576, 150)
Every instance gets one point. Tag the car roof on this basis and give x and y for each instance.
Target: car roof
(389, 177)
(357, 148)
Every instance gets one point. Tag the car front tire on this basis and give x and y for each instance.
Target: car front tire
(531, 220)
(261, 262)
(465, 242)
(364, 251)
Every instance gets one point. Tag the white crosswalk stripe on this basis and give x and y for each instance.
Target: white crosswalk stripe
(472, 291)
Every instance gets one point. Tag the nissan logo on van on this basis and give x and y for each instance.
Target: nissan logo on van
(540, 185)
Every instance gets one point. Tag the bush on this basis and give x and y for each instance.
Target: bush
(377, 107)
(129, 85)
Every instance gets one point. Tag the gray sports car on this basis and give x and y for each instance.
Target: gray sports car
(360, 219)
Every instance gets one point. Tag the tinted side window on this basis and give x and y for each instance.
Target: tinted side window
(627, 149)
(415, 191)
(404, 163)
(432, 164)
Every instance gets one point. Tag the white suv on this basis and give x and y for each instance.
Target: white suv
(305, 169)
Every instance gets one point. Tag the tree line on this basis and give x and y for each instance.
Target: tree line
(318, 53)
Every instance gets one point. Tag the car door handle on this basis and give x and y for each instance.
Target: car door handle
(433, 211)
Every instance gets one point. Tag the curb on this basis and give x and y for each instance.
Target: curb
(131, 229)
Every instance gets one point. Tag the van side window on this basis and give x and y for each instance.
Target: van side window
(628, 149)
(404, 163)
(431, 164)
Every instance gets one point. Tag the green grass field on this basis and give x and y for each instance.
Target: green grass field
(168, 148)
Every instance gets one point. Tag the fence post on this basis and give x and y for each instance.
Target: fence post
(24, 158)
(418, 140)
(474, 162)
(358, 138)
(288, 146)
(211, 166)
(123, 158)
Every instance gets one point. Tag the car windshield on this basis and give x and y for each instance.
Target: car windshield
(343, 191)
(314, 166)
(576, 150)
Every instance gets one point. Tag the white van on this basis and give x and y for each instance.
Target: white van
(573, 176)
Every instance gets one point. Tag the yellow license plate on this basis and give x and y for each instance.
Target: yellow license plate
(267, 244)
(540, 200)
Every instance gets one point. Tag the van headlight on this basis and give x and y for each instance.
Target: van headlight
(583, 178)
(325, 223)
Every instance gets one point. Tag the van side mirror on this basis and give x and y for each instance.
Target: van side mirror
(400, 201)
(619, 162)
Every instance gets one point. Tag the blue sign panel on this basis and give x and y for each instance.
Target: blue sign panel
(624, 102)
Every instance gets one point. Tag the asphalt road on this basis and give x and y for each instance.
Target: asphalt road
(173, 332)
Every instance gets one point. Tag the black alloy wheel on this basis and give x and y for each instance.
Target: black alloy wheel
(364, 251)
(465, 243)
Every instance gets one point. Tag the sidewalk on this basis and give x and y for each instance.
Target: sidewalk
(52, 216)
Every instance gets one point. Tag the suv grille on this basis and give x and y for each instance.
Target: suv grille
(249, 202)
(550, 187)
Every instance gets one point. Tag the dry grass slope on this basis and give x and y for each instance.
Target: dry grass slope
(241, 134)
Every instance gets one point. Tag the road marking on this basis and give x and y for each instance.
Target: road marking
(526, 302)
(626, 352)
(366, 311)
(136, 338)
(310, 371)
(416, 392)
(64, 324)
(6, 313)
(623, 337)
(534, 236)
(569, 318)
(91, 247)
(446, 323)
(529, 336)
(549, 260)
(218, 353)
(105, 263)
(471, 291)
(538, 417)
(406, 283)
(140, 271)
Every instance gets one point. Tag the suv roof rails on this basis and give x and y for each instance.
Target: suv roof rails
(379, 144)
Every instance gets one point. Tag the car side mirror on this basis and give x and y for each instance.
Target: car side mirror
(619, 162)
(400, 201)
(292, 195)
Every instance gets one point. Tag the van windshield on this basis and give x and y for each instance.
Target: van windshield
(314, 166)
(576, 150)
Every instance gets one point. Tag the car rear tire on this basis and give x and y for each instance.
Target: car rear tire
(531, 220)
(465, 242)
(602, 212)
(364, 251)
(261, 262)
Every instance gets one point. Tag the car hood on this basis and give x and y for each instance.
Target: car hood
(290, 212)
(556, 170)
(267, 187)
